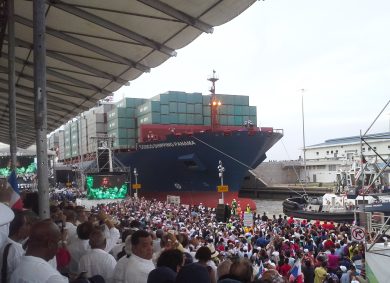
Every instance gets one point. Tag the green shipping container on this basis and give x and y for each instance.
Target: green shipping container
(172, 107)
(165, 119)
(148, 107)
(190, 108)
(164, 109)
(190, 119)
(223, 110)
(119, 133)
(252, 110)
(120, 112)
(245, 110)
(151, 118)
(223, 120)
(230, 120)
(206, 111)
(198, 119)
(238, 110)
(206, 120)
(182, 118)
(182, 97)
(206, 99)
(173, 118)
(253, 119)
(182, 107)
(238, 121)
(198, 108)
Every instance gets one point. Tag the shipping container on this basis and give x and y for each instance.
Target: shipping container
(121, 123)
(206, 111)
(172, 107)
(181, 107)
(198, 119)
(148, 107)
(190, 119)
(151, 118)
(165, 119)
(198, 109)
(206, 100)
(252, 110)
(182, 118)
(120, 112)
(130, 102)
(173, 118)
(164, 109)
(191, 108)
(206, 120)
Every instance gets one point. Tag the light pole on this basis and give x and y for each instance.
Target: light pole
(303, 137)
(136, 182)
(221, 169)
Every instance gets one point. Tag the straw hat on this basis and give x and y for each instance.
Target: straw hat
(214, 252)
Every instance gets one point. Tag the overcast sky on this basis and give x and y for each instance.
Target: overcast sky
(338, 51)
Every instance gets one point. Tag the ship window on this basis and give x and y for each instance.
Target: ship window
(317, 153)
(363, 149)
(337, 151)
(331, 151)
(374, 147)
(327, 152)
(369, 149)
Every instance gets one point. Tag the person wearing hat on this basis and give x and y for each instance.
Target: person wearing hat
(345, 276)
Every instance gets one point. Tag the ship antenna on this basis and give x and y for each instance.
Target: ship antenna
(214, 102)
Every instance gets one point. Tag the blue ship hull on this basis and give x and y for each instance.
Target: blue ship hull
(183, 165)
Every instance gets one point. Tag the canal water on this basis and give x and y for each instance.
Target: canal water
(269, 206)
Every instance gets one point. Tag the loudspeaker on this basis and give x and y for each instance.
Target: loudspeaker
(223, 212)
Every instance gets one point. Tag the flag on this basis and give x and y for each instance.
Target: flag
(16, 201)
(296, 272)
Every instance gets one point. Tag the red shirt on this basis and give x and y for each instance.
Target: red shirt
(284, 269)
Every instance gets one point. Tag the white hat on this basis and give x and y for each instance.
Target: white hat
(6, 214)
(275, 253)
(214, 253)
(305, 251)
(343, 268)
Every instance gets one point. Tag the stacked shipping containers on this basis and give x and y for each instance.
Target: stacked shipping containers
(234, 110)
(122, 119)
(122, 122)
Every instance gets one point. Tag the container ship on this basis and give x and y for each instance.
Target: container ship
(186, 147)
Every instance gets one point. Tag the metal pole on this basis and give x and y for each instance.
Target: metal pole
(11, 83)
(136, 181)
(41, 105)
(304, 139)
(81, 167)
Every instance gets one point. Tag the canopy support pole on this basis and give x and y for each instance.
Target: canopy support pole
(11, 83)
(40, 107)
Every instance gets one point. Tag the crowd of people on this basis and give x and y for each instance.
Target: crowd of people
(147, 241)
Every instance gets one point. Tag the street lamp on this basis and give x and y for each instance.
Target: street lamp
(136, 182)
(221, 169)
(304, 138)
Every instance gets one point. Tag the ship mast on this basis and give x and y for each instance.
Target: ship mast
(214, 102)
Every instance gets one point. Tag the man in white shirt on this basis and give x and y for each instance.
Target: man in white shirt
(97, 261)
(140, 262)
(123, 263)
(19, 230)
(42, 246)
(79, 246)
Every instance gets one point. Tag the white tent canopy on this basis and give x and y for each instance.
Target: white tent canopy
(94, 47)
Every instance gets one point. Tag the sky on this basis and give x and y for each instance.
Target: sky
(337, 51)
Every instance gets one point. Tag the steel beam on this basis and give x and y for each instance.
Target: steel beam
(60, 57)
(113, 27)
(74, 40)
(179, 15)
